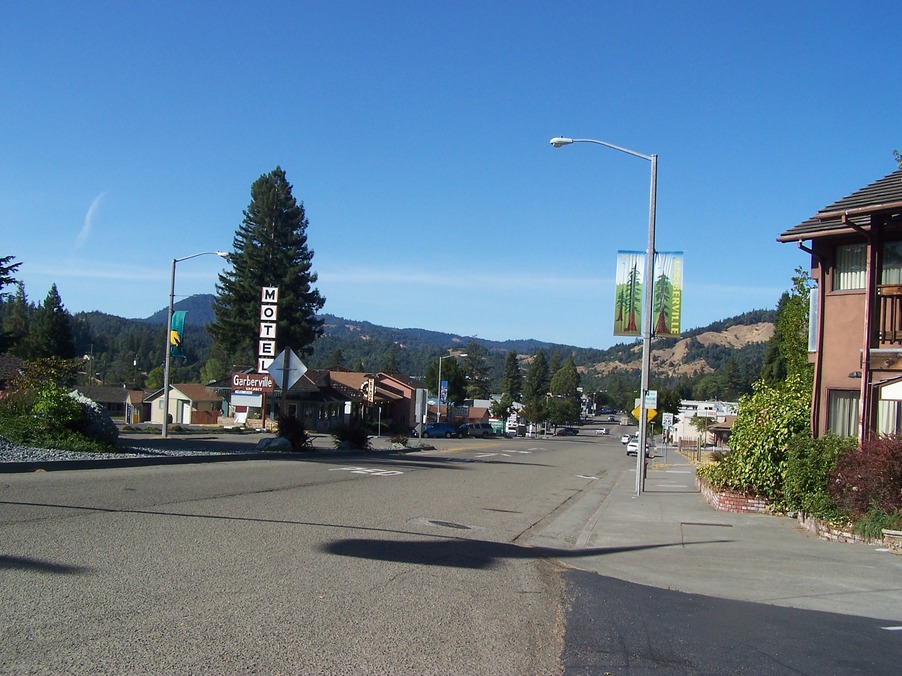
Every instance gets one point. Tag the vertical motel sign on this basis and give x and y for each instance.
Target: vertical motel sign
(269, 313)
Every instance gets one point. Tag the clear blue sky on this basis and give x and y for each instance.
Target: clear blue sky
(416, 134)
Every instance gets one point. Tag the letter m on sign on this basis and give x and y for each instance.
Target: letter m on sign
(269, 294)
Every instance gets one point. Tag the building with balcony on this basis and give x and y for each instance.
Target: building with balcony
(855, 319)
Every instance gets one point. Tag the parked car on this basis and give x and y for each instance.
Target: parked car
(483, 430)
(632, 448)
(436, 430)
(624, 438)
(566, 432)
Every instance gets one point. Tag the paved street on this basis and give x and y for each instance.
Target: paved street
(479, 557)
(320, 564)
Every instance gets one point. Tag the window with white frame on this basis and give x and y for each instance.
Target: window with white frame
(851, 263)
(843, 410)
(892, 263)
(889, 416)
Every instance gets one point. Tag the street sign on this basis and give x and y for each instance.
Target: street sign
(287, 368)
(252, 382)
(667, 420)
(649, 413)
(651, 399)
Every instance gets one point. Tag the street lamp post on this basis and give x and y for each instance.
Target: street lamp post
(168, 358)
(438, 413)
(559, 141)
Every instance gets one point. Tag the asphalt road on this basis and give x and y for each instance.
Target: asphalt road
(326, 564)
(371, 564)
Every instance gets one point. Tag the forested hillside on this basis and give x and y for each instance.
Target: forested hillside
(720, 360)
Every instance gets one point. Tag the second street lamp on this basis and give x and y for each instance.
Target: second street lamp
(168, 359)
(560, 141)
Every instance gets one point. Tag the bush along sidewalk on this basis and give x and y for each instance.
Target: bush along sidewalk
(838, 489)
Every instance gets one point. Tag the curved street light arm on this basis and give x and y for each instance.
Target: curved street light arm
(560, 141)
(167, 360)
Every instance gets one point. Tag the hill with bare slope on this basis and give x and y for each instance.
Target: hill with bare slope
(690, 356)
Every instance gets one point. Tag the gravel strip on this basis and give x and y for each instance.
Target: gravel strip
(10, 452)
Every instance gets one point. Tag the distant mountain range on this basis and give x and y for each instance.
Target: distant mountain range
(695, 352)
(200, 313)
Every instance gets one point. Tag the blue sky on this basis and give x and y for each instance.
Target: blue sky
(416, 134)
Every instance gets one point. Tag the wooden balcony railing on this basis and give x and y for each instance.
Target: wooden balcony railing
(890, 313)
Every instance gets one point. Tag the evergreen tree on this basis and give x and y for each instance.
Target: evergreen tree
(564, 407)
(565, 382)
(7, 269)
(787, 351)
(512, 377)
(554, 364)
(336, 360)
(452, 374)
(50, 334)
(476, 371)
(16, 318)
(538, 379)
(390, 361)
(270, 250)
(358, 367)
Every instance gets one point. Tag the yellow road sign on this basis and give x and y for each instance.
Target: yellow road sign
(649, 413)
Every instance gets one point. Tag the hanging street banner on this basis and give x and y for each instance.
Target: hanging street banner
(628, 290)
(176, 331)
(629, 293)
(668, 293)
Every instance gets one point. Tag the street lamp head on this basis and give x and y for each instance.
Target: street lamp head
(223, 254)
(559, 141)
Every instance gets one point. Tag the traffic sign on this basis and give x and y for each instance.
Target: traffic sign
(649, 413)
(287, 368)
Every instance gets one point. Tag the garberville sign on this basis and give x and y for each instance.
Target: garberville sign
(252, 382)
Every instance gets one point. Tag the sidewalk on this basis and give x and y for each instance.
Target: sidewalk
(670, 538)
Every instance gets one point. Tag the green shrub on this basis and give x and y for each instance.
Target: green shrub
(769, 420)
(809, 463)
(293, 429)
(54, 407)
(46, 416)
(352, 436)
(872, 523)
(402, 439)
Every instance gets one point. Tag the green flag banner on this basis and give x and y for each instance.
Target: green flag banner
(628, 290)
(667, 292)
(176, 331)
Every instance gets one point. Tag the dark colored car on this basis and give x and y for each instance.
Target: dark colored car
(566, 432)
(437, 430)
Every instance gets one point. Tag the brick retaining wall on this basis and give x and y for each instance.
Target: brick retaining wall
(728, 501)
